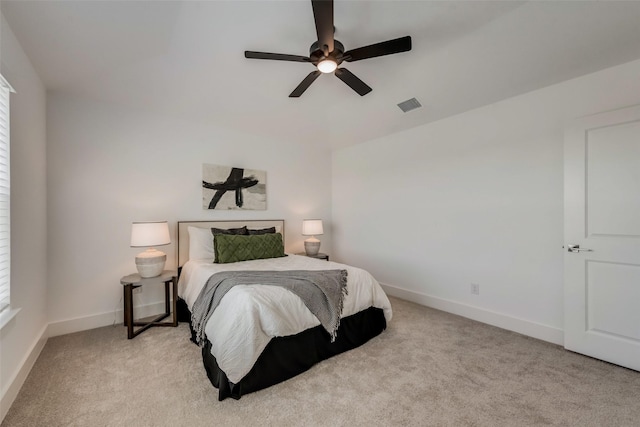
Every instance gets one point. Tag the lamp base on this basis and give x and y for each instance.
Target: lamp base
(312, 246)
(150, 263)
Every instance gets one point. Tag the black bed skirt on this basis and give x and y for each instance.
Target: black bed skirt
(286, 357)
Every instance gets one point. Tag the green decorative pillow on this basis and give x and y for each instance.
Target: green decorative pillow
(234, 248)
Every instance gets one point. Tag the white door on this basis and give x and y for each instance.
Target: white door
(602, 216)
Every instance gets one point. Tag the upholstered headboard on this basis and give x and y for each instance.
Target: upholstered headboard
(183, 233)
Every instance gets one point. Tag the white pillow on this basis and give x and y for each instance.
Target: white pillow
(201, 244)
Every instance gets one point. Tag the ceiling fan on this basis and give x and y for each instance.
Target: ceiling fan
(327, 53)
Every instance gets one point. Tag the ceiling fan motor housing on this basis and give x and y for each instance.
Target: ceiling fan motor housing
(317, 54)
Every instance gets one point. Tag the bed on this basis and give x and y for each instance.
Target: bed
(261, 335)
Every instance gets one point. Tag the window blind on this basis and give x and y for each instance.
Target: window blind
(5, 252)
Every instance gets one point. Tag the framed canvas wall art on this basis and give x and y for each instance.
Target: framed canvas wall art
(231, 188)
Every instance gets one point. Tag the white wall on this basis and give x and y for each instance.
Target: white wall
(24, 336)
(110, 165)
(474, 198)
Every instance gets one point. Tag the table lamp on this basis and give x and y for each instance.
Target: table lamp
(150, 263)
(312, 227)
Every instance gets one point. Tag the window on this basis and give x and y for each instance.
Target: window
(5, 261)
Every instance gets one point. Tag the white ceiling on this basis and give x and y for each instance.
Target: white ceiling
(185, 58)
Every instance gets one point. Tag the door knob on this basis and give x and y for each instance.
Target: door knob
(577, 248)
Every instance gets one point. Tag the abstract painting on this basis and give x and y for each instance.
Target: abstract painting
(225, 187)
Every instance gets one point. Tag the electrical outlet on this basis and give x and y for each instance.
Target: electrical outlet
(475, 289)
(137, 290)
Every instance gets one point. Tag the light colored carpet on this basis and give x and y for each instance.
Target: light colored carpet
(428, 368)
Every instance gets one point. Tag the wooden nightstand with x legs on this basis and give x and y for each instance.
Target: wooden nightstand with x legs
(134, 281)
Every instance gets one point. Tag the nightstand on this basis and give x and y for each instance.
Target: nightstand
(134, 281)
(320, 255)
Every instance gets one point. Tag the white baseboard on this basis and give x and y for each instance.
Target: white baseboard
(84, 323)
(15, 384)
(521, 326)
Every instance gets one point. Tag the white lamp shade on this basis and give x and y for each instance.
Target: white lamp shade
(150, 234)
(312, 227)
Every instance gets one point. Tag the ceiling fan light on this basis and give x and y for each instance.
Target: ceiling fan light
(327, 66)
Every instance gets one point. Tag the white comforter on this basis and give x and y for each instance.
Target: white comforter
(250, 315)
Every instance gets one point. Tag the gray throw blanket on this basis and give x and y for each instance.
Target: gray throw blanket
(322, 292)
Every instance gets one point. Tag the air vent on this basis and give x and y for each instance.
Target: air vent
(409, 104)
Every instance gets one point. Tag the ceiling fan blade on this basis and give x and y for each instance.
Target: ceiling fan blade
(403, 44)
(352, 81)
(304, 85)
(323, 15)
(275, 56)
